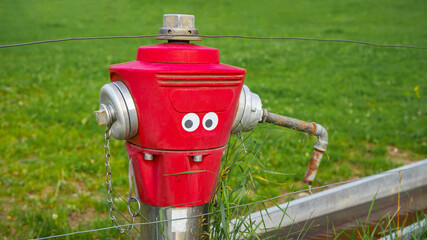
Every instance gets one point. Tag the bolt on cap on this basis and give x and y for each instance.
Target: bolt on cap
(101, 117)
(180, 27)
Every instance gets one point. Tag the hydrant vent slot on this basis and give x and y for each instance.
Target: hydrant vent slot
(199, 79)
(198, 76)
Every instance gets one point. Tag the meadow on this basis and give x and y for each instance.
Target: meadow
(372, 100)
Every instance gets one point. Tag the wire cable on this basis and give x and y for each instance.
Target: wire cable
(218, 36)
(316, 39)
(73, 39)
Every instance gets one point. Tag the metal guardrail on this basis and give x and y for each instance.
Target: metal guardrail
(346, 196)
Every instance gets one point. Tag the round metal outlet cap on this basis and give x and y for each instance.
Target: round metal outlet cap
(118, 110)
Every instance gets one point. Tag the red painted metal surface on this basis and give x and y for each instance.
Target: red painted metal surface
(177, 53)
(173, 178)
(171, 84)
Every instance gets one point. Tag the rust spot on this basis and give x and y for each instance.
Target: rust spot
(313, 165)
(291, 123)
(314, 128)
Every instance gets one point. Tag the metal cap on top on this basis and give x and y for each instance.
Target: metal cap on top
(179, 27)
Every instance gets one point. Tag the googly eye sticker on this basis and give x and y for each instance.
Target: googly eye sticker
(210, 121)
(190, 122)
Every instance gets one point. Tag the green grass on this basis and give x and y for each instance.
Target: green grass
(371, 100)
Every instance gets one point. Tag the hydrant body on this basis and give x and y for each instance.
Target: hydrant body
(176, 106)
(186, 102)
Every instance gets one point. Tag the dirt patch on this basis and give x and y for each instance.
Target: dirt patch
(78, 218)
(399, 155)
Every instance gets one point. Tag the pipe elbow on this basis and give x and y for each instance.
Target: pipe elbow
(322, 138)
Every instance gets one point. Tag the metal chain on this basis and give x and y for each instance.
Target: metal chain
(128, 229)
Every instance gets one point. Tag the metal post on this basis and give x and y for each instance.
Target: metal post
(179, 223)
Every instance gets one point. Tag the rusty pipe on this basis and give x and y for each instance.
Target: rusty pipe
(311, 128)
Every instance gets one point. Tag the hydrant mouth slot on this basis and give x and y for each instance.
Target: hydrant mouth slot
(190, 152)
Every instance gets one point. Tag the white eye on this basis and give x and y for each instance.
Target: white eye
(190, 122)
(210, 121)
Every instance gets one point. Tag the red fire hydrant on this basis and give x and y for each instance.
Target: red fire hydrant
(176, 106)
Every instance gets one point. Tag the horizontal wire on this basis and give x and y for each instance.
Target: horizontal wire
(73, 39)
(316, 39)
(214, 212)
(217, 36)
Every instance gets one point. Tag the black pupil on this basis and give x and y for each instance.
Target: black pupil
(209, 123)
(188, 124)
